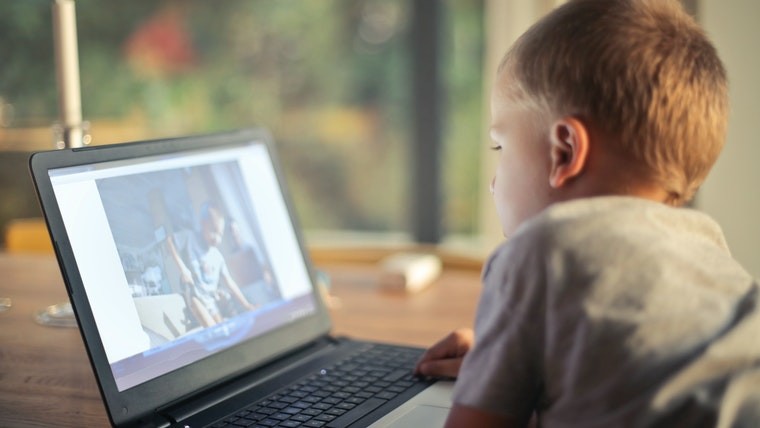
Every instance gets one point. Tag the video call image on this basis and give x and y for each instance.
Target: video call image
(190, 247)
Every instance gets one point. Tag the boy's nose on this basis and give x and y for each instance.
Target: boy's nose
(493, 181)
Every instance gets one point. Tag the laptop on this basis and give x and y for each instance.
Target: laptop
(196, 299)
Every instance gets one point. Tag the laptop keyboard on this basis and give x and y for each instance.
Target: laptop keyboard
(337, 396)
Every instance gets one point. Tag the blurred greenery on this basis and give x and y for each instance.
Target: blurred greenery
(329, 78)
(463, 134)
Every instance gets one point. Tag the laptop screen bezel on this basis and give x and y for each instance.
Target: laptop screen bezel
(141, 401)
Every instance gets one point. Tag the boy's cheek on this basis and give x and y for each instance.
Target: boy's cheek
(504, 210)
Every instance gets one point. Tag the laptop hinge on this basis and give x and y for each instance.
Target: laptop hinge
(169, 420)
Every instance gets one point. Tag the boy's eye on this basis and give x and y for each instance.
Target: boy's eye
(495, 147)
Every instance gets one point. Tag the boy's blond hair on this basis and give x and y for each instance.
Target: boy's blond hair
(641, 72)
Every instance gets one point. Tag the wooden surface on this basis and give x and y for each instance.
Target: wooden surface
(46, 379)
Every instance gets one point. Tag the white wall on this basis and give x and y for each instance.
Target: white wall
(731, 193)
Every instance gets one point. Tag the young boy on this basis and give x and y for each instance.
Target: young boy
(203, 269)
(608, 305)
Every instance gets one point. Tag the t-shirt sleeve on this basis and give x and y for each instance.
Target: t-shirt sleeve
(502, 372)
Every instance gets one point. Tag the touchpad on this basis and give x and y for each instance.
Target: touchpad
(422, 415)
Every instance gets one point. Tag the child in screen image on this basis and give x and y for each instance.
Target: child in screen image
(609, 304)
(203, 270)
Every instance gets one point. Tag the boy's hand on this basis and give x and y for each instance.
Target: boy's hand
(185, 276)
(445, 357)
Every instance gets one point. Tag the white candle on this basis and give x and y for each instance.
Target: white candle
(67, 71)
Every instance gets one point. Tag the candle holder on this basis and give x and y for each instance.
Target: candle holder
(58, 315)
(71, 131)
(71, 136)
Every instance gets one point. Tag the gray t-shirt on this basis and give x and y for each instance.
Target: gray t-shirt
(615, 311)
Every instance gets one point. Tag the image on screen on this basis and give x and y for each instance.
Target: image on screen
(190, 247)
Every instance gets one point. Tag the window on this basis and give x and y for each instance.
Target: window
(331, 79)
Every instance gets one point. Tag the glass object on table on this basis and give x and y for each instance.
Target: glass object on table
(58, 315)
(30, 236)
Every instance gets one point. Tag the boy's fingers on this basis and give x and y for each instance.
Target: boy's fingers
(441, 349)
(453, 346)
(438, 352)
(440, 368)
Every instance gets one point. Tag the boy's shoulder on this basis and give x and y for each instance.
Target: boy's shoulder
(616, 219)
(593, 235)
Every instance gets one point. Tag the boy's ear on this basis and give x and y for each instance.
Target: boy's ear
(569, 150)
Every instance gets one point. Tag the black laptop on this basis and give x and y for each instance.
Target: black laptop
(195, 297)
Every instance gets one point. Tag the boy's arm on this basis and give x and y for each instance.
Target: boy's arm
(444, 359)
(186, 277)
(465, 416)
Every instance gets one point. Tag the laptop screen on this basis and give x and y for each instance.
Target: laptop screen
(182, 255)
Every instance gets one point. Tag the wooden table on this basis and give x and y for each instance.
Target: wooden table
(46, 379)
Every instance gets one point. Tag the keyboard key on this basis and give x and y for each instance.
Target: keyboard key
(280, 416)
(359, 411)
(313, 412)
(301, 418)
(396, 375)
(279, 405)
(302, 404)
(386, 395)
(257, 416)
